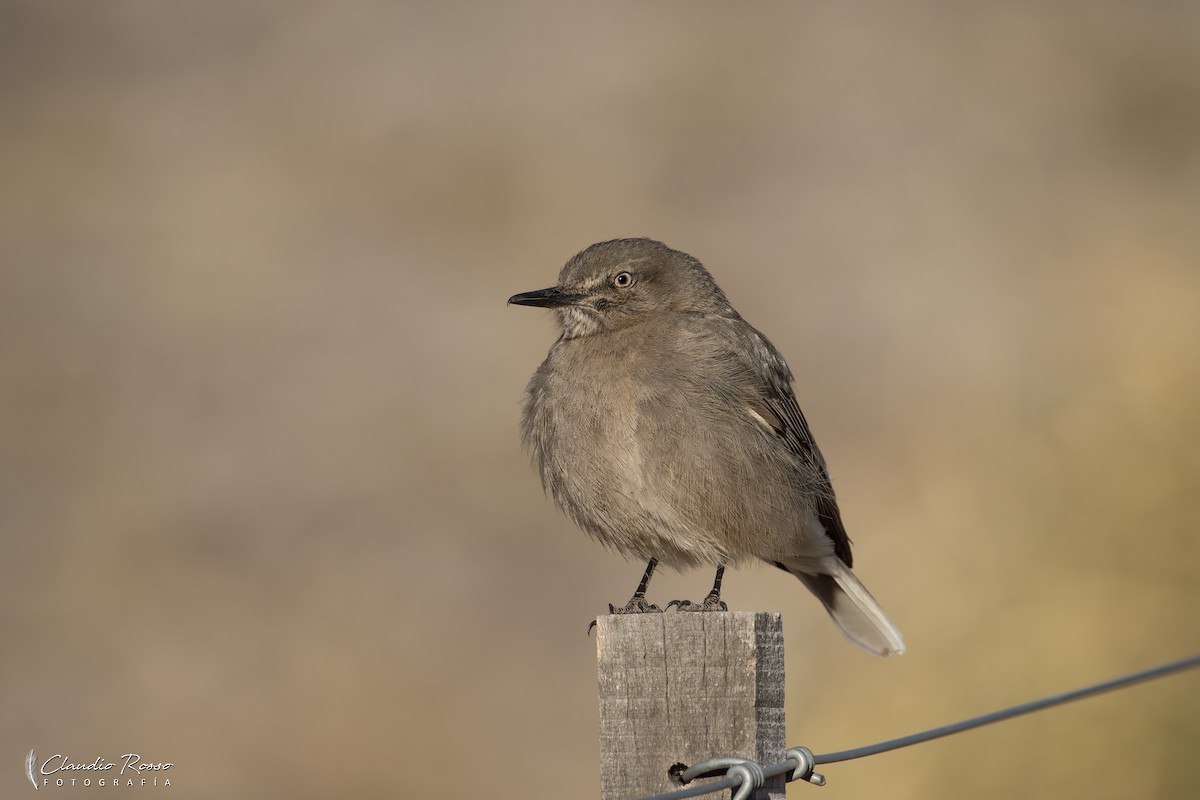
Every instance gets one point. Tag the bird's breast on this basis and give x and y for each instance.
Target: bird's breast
(593, 416)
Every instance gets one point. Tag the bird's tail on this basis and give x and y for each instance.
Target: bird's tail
(849, 603)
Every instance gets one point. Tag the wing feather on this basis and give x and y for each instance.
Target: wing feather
(775, 406)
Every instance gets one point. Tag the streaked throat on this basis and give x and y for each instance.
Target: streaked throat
(577, 321)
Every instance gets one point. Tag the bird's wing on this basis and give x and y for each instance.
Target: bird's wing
(774, 406)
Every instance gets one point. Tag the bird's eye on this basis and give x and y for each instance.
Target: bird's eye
(623, 280)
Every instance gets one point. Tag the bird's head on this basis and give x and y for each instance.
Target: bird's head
(618, 283)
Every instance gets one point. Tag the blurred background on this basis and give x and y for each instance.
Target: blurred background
(263, 506)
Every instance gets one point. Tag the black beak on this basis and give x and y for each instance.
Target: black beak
(544, 298)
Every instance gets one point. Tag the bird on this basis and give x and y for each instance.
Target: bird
(667, 428)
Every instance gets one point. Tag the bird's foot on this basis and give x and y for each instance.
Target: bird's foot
(711, 603)
(636, 605)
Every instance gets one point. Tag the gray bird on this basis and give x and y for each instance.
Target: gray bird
(666, 427)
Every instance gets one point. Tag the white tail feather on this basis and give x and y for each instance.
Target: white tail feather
(850, 604)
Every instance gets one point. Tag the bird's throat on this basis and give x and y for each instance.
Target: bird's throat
(577, 321)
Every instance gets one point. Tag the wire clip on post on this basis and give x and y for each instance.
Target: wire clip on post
(746, 775)
(750, 776)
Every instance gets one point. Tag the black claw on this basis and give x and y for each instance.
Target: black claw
(636, 605)
(710, 603)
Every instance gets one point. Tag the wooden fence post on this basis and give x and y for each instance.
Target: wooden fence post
(685, 687)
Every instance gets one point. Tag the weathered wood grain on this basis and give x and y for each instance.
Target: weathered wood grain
(685, 687)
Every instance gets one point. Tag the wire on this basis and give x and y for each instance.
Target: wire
(1009, 713)
(797, 757)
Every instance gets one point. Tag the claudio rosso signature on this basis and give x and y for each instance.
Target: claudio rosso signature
(129, 770)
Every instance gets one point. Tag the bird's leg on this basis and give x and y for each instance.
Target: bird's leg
(712, 602)
(637, 604)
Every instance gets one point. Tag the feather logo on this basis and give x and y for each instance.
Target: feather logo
(30, 762)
